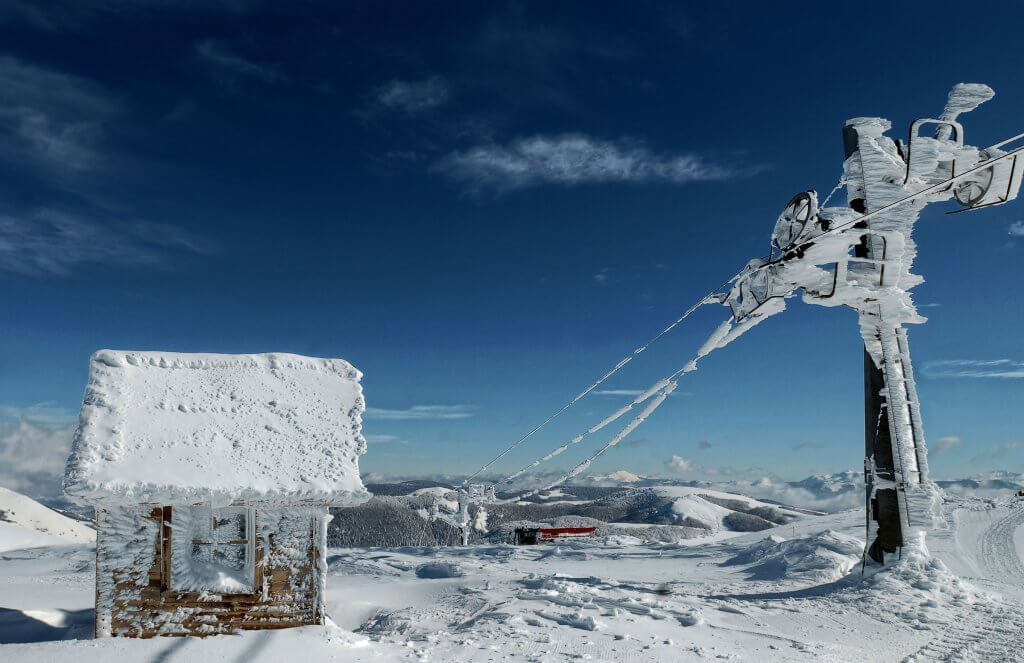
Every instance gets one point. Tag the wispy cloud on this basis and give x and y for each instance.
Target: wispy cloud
(74, 16)
(975, 368)
(51, 120)
(49, 242)
(998, 451)
(384, 439)
(678, 464)
(943, 444)
(1017, 229)
(421, 412)
(54, 128)
(571, 159)
(228, 66)
(413, 96)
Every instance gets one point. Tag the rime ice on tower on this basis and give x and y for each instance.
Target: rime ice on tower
(861, 256)
(211, 476)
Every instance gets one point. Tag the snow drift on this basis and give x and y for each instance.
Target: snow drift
(821, 557)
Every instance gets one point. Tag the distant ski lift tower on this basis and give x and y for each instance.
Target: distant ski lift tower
(860, 256)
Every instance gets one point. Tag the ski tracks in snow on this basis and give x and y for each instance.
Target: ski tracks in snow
(991, 631)
(999, 553)
(993, 628)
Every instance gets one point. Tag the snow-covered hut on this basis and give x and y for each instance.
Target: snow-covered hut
(211, 476)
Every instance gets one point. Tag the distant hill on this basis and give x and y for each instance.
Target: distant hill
(667, 513)
(25, 523)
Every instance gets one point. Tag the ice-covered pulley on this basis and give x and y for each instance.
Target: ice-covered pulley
(793, 221)
(972, 191)
(995, 185)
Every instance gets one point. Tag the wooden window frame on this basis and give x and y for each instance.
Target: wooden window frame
(167, 553)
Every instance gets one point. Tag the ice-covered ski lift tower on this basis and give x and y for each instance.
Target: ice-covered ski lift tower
(211, 476)
(860, 256)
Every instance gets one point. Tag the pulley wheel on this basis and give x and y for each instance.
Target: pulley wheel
(971, 191)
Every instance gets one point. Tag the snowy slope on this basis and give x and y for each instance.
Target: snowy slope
(672, 513)
(26, 523)
(791, 593)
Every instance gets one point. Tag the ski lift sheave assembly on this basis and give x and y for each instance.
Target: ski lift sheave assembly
(860, 256)
(994, 178)
(857, 255)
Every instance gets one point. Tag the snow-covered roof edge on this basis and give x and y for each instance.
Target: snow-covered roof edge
(97, 444)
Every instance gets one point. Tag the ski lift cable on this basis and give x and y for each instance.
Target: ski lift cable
(657, 394)
(925, 191)
(615, 369)
(839, 185)
(711, 296)
(557, 451)
(663, 393)
(623, 410)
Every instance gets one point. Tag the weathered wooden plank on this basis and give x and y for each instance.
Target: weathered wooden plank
(283, 596)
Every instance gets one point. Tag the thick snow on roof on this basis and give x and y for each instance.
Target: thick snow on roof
(169, 428)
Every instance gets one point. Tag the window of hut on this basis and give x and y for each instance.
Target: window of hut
(212, 550)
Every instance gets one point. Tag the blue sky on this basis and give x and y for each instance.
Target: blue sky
(390, 185)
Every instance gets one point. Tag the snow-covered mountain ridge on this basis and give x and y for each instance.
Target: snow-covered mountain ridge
(663, 513)
(25, 523)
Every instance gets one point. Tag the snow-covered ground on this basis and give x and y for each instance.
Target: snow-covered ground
(25, 523)
(791, 593)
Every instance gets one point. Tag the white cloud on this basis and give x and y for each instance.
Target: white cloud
(48, 241)
(846, 497)
(421, 412)
(678, 464)
(975, 368)
(50, 119)
(413, 96)
(40, 414)
(571, 159)
(32, 455)
(381, 439)
(54, 126)
(1017, 229)
(943, 444)
(229, 66)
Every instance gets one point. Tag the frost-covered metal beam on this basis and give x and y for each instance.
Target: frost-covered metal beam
(861, 256)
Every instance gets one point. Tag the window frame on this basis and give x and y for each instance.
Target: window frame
(168, 547)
